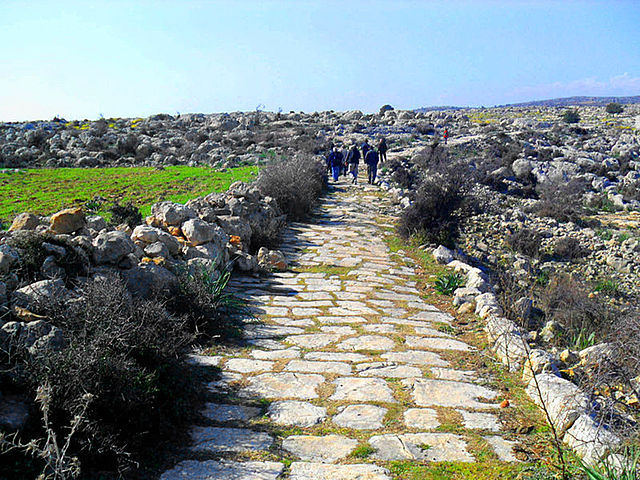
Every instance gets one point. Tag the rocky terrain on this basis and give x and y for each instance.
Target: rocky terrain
(550, 197)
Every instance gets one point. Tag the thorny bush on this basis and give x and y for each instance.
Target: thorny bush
(441, 202)
(125, 352)
(295, 183)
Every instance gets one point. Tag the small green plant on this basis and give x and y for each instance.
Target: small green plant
(609, 287)
(447, 283)
(543, 278)
(362, 451)
(446, 328)
(604, 234)
(623, 237)
(626, 469)
(424, 447)
(583, 340)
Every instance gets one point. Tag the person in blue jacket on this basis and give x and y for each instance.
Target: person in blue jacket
(336, 161)
(371, 159)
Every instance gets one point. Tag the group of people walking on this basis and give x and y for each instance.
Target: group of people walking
(347, 162)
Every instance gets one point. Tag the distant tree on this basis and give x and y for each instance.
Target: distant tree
(571, 116)
(614, 108)
(385, 108)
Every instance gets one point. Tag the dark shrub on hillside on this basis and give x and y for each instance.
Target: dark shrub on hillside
(34, 248)
(385, 108)
(614, 108)
(571, 116)
(561, 200)
(525, 241)
(569, 248)
(441, 202)
(431, 157)
(567, 301)
(124, 352)
(401, 173)
(295, 183)
(128, 214)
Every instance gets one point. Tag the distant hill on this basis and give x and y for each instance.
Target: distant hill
(554, 102)
(577, 101)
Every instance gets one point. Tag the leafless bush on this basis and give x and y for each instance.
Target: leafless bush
(569, 248)
(123, 351)
(295, 183)
(525, 241)
(561, 200)
(441, 202)
(567, 301)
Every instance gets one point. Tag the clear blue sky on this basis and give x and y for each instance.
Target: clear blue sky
(80, 59)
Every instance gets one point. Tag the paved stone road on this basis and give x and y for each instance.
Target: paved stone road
(346, 371)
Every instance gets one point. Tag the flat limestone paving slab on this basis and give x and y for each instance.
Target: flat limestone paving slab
(337, 356)
(502, 447)
(223, 469)
(428, 392)
(480, 421)
(204, 360)
(318, 367)
(367, 342)
(296, 413)
(323, 471)
(387, 370)
(361, 417)
(222, 439)
(423, 418)
(430, 447)
(313, 340)
(415, 357)
(292, 352)
(325, 449)
(340, 319)
(247, 365)
(218, 412)
(283, 385)
(362, 390)
(431, 343)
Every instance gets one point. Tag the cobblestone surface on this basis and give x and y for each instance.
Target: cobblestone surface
(349, 355)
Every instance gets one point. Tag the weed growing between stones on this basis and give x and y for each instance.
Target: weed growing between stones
(448, 283)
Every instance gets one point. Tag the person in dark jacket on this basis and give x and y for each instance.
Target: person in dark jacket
(353, 159)
(336, 159)
(382, 149)
(327, 159)
(365, 148)
(371, 159)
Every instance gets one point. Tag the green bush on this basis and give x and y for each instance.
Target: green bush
(571, 116)
(614, 108)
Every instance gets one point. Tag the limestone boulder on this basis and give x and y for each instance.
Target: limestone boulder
(150, 279)
(67, 221)
(25, 221)
(272, 260)
(443, 255)
(198, 232)
(112, 247)
(171, 213)
(31, 295)
(563, 400)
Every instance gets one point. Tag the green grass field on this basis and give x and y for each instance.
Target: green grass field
(45, 191)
